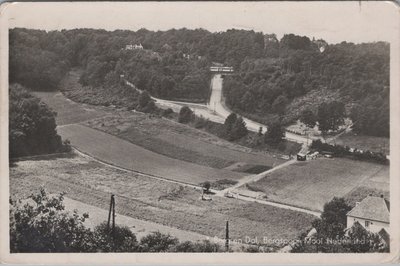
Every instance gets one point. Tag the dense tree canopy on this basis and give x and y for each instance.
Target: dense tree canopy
(301, 77)
(273, 77)
(32, 127)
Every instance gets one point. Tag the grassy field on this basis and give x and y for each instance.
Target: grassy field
(69, 112)
(122, 153)
(179, 141)
(144, 198)
(311, 184)
(375, 144)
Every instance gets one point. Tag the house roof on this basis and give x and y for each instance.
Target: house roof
(372, 208)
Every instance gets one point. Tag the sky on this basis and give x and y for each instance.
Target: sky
(332, 21)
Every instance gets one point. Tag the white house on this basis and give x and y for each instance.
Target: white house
(372, 213)
(133, 47)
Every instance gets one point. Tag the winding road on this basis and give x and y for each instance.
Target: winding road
(216, 110)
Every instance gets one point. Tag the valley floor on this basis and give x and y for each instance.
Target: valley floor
(145, 198)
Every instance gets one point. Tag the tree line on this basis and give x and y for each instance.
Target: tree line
(274, 78)
(173, 64)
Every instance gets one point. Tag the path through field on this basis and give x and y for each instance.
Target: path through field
(221, 193)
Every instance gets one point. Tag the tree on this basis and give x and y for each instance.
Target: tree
(279, 104)
(335, 211)
(234, 127)
(205, 246)
(185, 115)
(121, 239)
(145, 103)
(41, 224)
(157, 242)
(332, 223)
(229, 122)
(32, 127)
(330, 116)
(275, 133)
(206, 186)
(308, 118)
(363, 241)
(239, 129)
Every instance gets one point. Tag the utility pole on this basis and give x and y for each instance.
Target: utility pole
(227, 236)
(111, 211)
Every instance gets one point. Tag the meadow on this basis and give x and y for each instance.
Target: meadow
(310, 184)
(147, 199)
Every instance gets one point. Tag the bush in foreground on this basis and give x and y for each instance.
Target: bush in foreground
(41, 224)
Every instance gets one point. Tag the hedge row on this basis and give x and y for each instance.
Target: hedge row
(346, 151)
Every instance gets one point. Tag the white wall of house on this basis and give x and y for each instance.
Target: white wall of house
(373, 226)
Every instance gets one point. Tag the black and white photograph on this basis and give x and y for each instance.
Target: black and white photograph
(200, 127)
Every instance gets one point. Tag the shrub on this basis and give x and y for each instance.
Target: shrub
(339, 150)
(200, 122)
(185, 115)
(157, 242)
(167, 112)
(121, 239)
(41, 224)
(206, 186)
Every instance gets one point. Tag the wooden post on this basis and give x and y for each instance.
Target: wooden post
(109, 213)
(113, 214)
(227, 236)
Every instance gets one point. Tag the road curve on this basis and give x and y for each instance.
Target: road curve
(216, 104)
(215, 110)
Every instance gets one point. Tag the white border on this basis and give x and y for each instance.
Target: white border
(171, 258)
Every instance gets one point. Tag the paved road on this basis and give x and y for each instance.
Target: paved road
(216, 110)
(198, 109)
(217, 104)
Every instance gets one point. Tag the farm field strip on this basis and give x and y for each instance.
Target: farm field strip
(68, 111)
(313, 183)
(161, 202)
(219, 193)
(127, 155)
(179, 141)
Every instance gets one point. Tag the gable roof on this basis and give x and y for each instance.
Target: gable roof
(372, 208)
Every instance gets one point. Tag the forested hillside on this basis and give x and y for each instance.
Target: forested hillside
(274, 78)
(172, 64)
(301, 77)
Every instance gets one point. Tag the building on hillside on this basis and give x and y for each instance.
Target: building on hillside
(372, 213)
(134, 47)
(302, 155)
(321, 44)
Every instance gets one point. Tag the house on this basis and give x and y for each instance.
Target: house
(372, 213)
(134, 47)
(302, 155)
